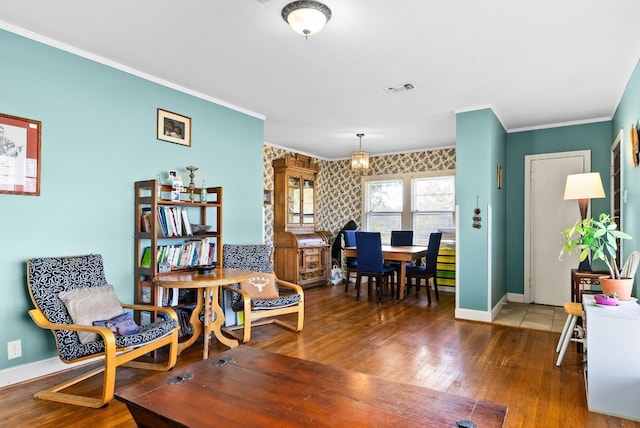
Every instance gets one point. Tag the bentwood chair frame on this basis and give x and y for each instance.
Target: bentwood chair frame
(46, 277)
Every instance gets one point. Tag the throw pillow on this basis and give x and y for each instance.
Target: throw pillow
(260, 286)
(122, 325)
(89, 304)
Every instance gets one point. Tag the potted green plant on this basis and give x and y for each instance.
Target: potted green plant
(598, 239)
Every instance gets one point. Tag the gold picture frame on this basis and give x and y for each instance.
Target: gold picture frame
(174, 128)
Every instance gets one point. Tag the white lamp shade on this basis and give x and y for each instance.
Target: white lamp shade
(306, 21)
(584, 186)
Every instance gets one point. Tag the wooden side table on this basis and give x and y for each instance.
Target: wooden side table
(208, 284)
(579, 278)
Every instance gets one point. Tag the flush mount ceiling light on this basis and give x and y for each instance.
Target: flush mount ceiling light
(306, 17)
(360, 160)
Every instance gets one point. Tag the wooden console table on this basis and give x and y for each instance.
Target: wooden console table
(252, 387)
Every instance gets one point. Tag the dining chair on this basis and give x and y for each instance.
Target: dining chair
(351, 262)
(371, 262)
(429, 269)
(400, 238)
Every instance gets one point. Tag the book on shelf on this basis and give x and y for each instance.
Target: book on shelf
(176, 214)
(162, 219)
(175, 295)
(174, 221)
(230, 316)
(145, 262)
(146, 290)
(186, 222)
(192, 252)
(145, 220)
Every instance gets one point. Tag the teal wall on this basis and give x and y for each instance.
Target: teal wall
(596, 137)
(480, 147)
(627, 114)
(98, 137)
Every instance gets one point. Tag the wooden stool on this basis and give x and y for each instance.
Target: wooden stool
(574, 311)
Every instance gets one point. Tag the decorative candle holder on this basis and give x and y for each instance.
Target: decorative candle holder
(192, 183)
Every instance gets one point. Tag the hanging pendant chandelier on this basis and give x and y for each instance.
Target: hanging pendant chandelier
(360, 159)
(306, 17)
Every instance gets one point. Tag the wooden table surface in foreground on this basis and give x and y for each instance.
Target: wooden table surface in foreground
(250, 387)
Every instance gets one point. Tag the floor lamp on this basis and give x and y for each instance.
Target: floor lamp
(584, 187)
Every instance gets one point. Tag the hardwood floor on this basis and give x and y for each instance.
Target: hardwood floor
(407, 341)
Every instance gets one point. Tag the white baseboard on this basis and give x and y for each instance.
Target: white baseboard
(515, 297)
(498, 307)
(35, 370)
(472, 315)
(483, 316)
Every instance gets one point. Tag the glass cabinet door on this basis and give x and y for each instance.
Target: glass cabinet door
(294, 200)
(307, 200)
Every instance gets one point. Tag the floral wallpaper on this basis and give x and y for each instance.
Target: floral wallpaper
(339, 189)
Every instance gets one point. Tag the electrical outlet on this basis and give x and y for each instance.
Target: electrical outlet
(14, 349)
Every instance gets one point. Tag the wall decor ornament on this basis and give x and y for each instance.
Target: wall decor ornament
(20, 155)
(476, 215)
(635, 149)
(174, 128)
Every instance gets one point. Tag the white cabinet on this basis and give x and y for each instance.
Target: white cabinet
(612, 368)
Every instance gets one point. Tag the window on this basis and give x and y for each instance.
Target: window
(422, 203)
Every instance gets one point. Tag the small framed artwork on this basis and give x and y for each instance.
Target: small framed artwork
(20, 155)
(174, 128)
(266, 197)
(500, 182)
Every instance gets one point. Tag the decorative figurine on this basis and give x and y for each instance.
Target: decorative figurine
(192, 183)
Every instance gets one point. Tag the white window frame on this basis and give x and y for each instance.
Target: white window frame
(407, 213)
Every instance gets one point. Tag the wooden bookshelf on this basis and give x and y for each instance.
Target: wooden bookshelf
(164, 242)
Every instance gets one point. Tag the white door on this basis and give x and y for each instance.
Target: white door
(547, 215)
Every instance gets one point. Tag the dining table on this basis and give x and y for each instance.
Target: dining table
(400, 253)
(208, 285)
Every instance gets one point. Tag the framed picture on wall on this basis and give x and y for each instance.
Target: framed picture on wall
(20, 155)
(174, 128)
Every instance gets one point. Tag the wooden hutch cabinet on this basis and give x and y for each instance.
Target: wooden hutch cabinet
(302, 254)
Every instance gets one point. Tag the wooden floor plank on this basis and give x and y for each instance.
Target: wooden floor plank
(407, 341)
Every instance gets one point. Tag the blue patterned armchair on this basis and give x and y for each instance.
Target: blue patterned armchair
(289, 297)
(52, 279)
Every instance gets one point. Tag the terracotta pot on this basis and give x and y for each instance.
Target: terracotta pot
(622, 286)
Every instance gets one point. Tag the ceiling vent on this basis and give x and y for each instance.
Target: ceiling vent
(398, 89)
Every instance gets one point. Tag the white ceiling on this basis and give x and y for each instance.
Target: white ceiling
(536, 63)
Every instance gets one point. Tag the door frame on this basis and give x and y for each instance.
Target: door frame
(528, 160)
(617, 194)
